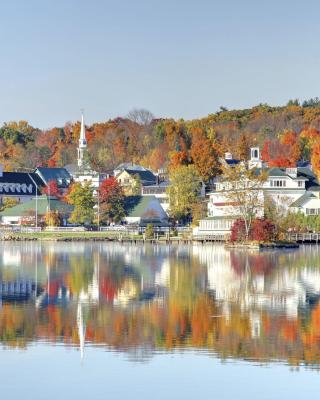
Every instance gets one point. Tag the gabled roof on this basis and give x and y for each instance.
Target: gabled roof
(129, 166)
(60, 175)
(303, 199)
(44, 203)
(146, 175)
(16, 180)
(144, 207)
(275, 171)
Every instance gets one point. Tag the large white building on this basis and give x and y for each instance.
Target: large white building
(291, 189)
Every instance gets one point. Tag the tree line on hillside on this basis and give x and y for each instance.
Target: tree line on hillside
(285, 134)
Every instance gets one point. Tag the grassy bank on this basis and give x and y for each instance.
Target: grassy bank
(69, 236)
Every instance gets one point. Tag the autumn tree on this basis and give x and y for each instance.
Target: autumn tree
(51, 189)
(111, 201)
(243, 147)
(183, 191)
(53, 218)
(81, 197)
(204, 155)
(315, 158)
(8, 202)
(242, 189)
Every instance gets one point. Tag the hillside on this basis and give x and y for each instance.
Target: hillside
(285, 134)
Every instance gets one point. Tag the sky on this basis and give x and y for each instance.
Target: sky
(176, 58)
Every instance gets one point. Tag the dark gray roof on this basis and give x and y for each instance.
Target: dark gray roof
(20, 184)
(232, 161)
(60, 175)
(145, 176)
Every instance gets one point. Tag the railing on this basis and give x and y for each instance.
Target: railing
(20, 229)
(304, 237)
(135, 229)
(65, 229)
(217, 237)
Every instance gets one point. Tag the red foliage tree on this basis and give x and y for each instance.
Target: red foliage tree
(284, 153)
(262, 230)
(238, 231)
(111, 198)
(52, 189)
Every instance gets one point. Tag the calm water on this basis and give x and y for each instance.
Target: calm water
(109, 321)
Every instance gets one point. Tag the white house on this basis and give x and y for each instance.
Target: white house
(292, 189)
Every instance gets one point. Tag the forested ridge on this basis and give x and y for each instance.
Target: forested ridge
(285, 134)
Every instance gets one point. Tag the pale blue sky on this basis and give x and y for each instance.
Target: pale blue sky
(177, 58)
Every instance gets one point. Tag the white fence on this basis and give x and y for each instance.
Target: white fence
(65, 229)
(20, 229)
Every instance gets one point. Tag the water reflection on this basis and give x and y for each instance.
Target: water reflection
(140, 300)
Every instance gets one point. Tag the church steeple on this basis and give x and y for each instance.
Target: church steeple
(82, 143)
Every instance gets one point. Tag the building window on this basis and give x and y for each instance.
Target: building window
(278, 183)
(300, 183)
(312, 211)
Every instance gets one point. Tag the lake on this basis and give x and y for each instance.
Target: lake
(115, 321)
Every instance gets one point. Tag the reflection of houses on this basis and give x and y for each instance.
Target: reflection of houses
(250, 281)
(17, 290)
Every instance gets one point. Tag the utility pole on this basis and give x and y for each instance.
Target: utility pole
(36, 186)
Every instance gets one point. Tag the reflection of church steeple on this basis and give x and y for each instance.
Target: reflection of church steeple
(82, 149)
(81, 329)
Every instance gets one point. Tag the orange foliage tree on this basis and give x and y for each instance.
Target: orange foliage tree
(204, 154)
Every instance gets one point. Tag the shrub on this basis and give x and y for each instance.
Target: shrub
(262, 230)
(238, 231)
(149, 233)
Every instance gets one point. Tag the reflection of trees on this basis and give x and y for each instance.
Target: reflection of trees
(80, 275)
(182, 314)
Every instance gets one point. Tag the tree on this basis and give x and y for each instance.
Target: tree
(315, 158)
(244, 147)
(53, 218)
(52, 189)
(262, 230)
(243, 191)
(140, 116)
(205, 155)
(81, 197)
(111, 199)
(183, 191)
(149, 233)
(136, 186)
(8, 202)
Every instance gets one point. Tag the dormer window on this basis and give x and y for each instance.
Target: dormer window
(300, 184)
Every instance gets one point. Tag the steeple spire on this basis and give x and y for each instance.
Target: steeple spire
(82, 142)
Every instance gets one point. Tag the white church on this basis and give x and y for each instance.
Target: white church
(82, 172)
